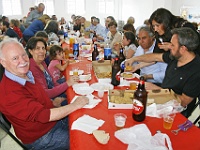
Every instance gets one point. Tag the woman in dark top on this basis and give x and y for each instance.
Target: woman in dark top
(162, 21)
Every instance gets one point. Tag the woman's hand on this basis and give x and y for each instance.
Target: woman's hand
(165, 46)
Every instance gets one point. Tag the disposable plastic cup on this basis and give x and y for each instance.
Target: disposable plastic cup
(120, 120)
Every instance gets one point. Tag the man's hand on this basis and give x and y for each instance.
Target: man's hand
(81, 101)
(57, 101)
(72, 80)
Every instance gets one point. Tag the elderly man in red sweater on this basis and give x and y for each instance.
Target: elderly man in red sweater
(37, 123)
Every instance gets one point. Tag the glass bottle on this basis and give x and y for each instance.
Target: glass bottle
(95, 53)
(115, 73)
(140, 101)
(107, 50)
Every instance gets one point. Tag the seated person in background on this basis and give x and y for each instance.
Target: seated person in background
(129, 27)
(85, 24)
(56, 67)
(77, 24)
(129, 43)
(14, 24)
(43, 34)
(36, 122)
(36, 48)
(52, 32)
(154, 73)
(8, 31)
(35, 14)
(99, 29)
(183, 72)
(36, 25)
(91, 28)
(115, 38)
(105, 30)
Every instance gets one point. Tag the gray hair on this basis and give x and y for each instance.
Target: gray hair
(147, 29)
(8, 41)
(187, 37)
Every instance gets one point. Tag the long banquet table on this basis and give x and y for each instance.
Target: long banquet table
(82, 141)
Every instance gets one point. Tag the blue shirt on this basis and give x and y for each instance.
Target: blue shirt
(35, 26)
(157, 70)
(20, 80)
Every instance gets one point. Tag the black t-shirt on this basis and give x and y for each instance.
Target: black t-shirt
(184, 79)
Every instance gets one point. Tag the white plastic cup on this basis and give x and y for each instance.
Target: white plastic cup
(101, 92)
(120, 120)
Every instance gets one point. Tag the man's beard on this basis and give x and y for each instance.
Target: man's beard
(176, 56)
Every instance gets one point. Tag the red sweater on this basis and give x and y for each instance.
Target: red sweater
(27, 108)
(39, 76)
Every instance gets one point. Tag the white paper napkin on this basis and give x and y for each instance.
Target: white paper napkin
(79, 72)
(87, 124)
(135, 135)
(157, 110)
(92, 101)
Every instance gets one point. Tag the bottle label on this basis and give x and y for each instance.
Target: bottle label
(138, 107)
(118, 76)
(107, 52)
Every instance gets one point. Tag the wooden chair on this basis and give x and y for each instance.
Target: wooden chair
(6, 125)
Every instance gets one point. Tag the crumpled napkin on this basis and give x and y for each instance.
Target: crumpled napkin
(87, 124)
(157, 110)
(92, 102)
(139, 137)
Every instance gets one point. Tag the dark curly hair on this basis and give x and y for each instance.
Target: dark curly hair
(53, 50)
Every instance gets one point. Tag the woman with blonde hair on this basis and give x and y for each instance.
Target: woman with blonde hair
(35, 26)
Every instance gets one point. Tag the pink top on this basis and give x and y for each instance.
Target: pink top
(55, 72)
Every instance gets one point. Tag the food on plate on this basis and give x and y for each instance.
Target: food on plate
(120, 100)
(104, 75)
(127, 75)
(128, 68)
(101, 136)
(128, 95)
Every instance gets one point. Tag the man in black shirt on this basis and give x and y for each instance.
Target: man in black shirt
(183, 71)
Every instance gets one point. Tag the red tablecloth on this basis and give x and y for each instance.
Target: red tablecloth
(80, 140)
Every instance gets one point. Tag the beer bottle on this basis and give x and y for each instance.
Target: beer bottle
(140, 101)
(121, 56)
(94, 38)
(115, 73)
(95, 53)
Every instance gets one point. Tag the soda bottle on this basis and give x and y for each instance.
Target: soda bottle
(140, 101)
(95, 53)
(107, 50)
(76, 50)
(115, 73)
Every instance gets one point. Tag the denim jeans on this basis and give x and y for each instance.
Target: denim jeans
(56, 139)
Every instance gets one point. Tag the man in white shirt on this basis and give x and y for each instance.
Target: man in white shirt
(154, 73)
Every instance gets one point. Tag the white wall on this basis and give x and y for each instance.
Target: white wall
(140, 10)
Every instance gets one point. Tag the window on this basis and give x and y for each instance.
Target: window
(106, 6)
(11, 7)
(75, 7)
(49, 6)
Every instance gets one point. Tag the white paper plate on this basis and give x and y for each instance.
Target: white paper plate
(130, 75)
(85, 90)
(86, 77)
(79, 85)
(106, 86)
